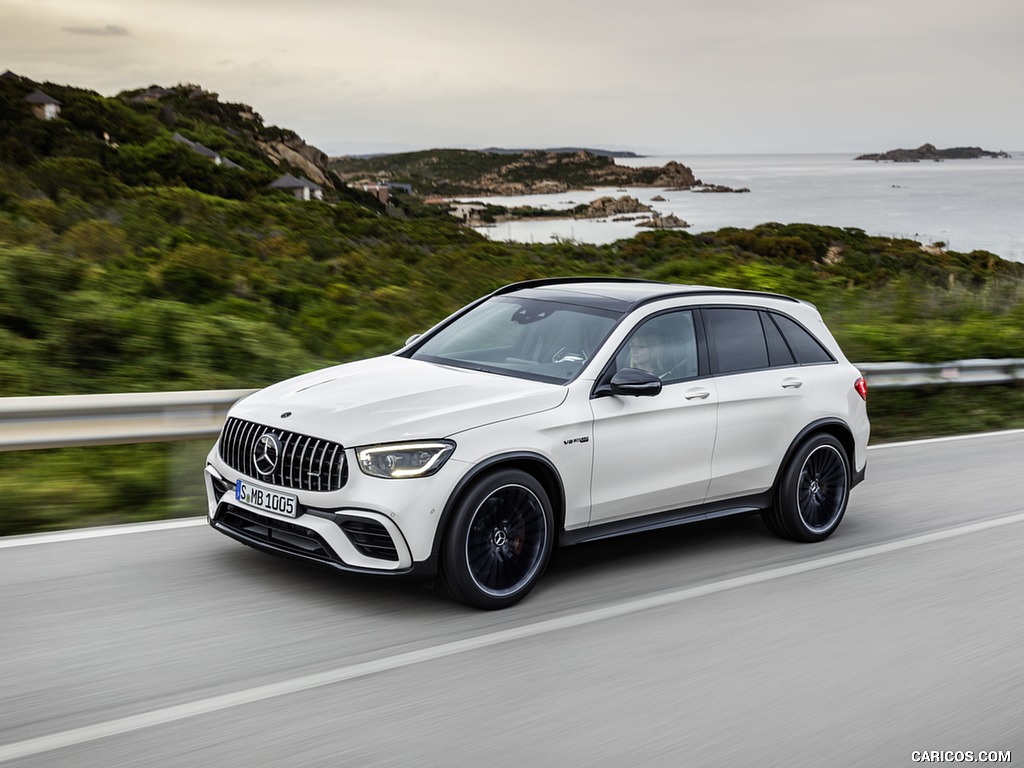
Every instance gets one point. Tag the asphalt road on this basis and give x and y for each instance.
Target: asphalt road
(706, 645)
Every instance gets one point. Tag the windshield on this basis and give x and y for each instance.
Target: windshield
(544, 340)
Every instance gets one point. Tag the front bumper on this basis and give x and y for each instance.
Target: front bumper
(298, 542)
(331, 530)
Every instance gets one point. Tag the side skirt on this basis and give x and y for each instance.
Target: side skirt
(757, 502)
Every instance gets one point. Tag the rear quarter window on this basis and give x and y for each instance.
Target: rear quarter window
(779, 353)
(807, 349)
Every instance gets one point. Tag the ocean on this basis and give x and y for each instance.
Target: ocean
(966, 204)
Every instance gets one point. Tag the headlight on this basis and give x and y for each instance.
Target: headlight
(404, 459)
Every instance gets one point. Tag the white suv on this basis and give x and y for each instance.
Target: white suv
(550, 412)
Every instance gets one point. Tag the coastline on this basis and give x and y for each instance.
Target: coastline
(969, 204)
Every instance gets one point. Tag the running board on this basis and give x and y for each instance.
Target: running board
(740, 506)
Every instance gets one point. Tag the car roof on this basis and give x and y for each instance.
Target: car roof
(620, 294)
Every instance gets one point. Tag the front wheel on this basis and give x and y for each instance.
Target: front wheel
(813, 492)
(499, 540)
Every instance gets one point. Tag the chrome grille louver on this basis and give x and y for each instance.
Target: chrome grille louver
(305, 463)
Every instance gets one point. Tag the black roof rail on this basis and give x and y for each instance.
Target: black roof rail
(545, 281)
(711, 291)
(683, 289)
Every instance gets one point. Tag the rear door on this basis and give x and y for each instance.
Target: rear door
(765, 399)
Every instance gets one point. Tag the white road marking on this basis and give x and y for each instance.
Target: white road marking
(212, 704)
(947, 439)
(100, 532)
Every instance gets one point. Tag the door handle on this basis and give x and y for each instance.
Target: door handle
(792, 383)
(697, 394)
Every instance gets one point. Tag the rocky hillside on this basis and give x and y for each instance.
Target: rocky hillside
(282, 147)
(467, 172)
(135, 138)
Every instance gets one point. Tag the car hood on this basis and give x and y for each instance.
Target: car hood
(391, 398)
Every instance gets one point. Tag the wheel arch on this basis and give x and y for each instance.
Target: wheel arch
(837, 428)
(534, 464)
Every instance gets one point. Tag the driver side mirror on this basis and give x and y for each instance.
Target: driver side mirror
(632, 382)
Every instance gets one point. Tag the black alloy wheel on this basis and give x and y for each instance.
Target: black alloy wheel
(499, 541)
(812, 495)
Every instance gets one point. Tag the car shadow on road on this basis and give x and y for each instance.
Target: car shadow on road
(662, 545)
(685, 555)
(669, 557)
(342, 590)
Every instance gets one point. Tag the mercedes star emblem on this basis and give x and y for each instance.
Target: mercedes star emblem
(266, 453)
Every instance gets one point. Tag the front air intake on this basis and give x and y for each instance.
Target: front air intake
(370, 538)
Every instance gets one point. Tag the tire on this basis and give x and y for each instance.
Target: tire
(499, 540)
(813, 492)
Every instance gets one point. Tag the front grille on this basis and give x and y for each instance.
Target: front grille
(305, 463)
(280, 534)
(370, 538)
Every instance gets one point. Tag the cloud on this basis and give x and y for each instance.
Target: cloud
(110, 30)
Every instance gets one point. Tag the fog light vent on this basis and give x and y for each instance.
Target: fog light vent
(370, 538)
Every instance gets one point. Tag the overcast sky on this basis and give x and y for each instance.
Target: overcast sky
(655, 76)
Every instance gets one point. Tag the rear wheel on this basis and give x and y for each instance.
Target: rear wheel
(499, 540)
(813, 492)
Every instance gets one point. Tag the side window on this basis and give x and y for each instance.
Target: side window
(778, 352)
(664, 345)
(808, 350)
(739, 339)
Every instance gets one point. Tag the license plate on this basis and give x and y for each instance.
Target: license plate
(266, 500)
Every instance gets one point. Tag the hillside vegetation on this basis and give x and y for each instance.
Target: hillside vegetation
(128, 262)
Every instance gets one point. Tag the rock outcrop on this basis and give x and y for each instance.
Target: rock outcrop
(675, 175)
(664, 222)
(610, 206)
(719, 188)
(929, 152)
(298, 153)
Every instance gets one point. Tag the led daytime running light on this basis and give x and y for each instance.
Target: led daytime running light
(404, 460)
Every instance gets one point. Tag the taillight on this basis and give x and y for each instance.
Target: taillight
(861, 385)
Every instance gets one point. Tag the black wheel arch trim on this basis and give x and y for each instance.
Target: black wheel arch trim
(490, 464)
(828, 426)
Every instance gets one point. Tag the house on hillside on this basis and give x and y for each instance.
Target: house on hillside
(382, 190)
(204, 151)
(302, 188)
(44, 106)
(467, 213)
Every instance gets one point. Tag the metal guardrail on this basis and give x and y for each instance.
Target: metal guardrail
(65, 421)
(910, 375)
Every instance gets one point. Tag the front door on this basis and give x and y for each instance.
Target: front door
(653, 454)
